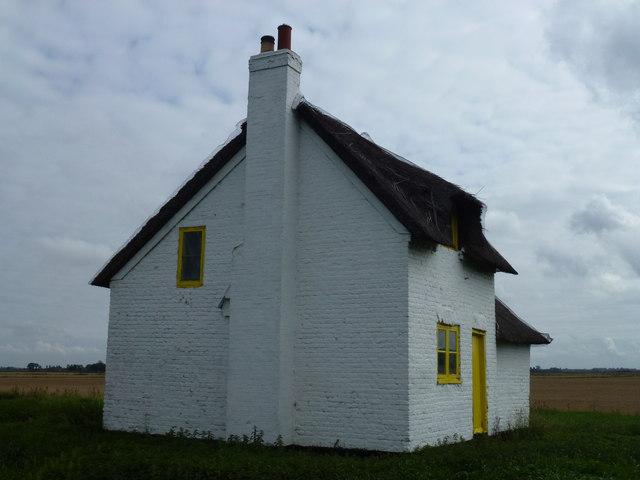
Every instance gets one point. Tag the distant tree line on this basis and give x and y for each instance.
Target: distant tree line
(538, 369)
(98, 367)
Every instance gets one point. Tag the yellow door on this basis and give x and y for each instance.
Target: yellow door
(479, 383)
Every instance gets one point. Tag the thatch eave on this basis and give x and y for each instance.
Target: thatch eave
(422, 201)
(512, 329)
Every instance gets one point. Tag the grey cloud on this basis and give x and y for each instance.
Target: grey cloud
(600, 42)
(598, 216)
(562, 263)
(133, 95)
(65, 250)
(617, 229)
(630, 252)
(46, 352)
(607, 352)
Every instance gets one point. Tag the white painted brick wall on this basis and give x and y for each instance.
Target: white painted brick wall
(332, 328)
(364, 367)
(351, 339)
(444, 288)
(263, 303)
(167, 347)
(513, 385)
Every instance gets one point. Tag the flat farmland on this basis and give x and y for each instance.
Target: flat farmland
(586, 392)
(89, 385)
(571, 392)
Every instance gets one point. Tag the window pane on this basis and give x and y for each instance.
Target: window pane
(442, 369)
(441, 339)
(191, 243)
(452, 341)
(453, 364)
(190, 268)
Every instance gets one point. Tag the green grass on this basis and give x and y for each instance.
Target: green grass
(46, 437)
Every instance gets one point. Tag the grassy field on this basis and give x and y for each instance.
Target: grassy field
(57, 437)
(90, 385)
(586, 392)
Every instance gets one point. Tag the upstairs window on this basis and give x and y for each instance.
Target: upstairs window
(448, 353)
(191, 257)
(452, 229)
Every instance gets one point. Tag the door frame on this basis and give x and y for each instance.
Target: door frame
(479, 382)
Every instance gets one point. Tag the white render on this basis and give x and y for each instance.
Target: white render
(514, 385)
(317, 319)
(263, 290)
(168, 347)
(351, 339)
(443, 288)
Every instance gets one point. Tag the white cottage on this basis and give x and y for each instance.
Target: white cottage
(311, 284)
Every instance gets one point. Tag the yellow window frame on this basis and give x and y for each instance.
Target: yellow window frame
(182, 255)
(453, 226)
(448, 353)
(454, 231)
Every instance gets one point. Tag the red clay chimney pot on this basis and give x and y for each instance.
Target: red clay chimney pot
(284, 37)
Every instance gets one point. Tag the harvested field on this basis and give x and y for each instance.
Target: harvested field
(54, 383)
(576, 392)
(572, 392)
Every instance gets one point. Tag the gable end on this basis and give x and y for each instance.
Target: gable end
(170, 208)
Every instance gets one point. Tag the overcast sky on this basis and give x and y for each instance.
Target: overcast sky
(106, 108)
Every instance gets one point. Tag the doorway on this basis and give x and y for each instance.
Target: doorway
(479, 383)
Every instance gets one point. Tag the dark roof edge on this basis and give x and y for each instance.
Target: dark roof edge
(478, 250)
(212, 166)
(512, 329)
(307, 110)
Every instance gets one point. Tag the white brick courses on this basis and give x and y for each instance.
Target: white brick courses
(167, 348)
(444, 288)
(513, 386)
(351, 339)
(317, 318)
(263, 297)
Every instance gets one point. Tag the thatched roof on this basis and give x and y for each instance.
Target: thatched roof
(511, 329)
(421, 201)
(171, 207)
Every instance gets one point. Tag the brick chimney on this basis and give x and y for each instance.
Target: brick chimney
(263, 309)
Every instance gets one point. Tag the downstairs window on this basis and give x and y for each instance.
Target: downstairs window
(448, 353)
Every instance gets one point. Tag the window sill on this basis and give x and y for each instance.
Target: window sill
(448, 381)
(189, 284)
